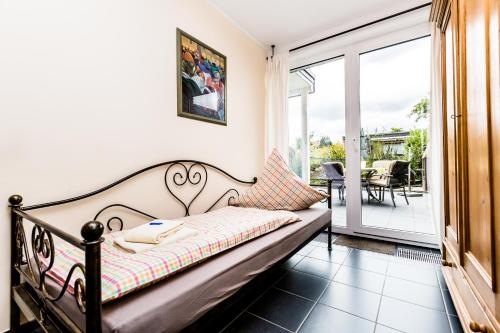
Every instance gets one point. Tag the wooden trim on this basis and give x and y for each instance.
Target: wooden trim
(473, 285)
(494, 70)
(481, 278)
(468, 307)
(461, 100)
(447, 15)
(473, 280)
(483, 281)
(436, 10)
(491, 155)
(452, 247)
(440, 13)
(444, 133)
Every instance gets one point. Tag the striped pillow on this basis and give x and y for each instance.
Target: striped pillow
(279, 188)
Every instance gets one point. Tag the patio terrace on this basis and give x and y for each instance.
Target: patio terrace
(415, 217)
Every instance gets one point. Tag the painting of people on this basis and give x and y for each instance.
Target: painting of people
(201, 80)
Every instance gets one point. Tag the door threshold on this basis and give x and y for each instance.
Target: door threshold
(344, 231)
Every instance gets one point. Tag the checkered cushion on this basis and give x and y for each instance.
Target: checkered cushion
(279, 188)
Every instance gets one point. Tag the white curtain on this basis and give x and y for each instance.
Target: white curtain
(436, 135)
(276, 115)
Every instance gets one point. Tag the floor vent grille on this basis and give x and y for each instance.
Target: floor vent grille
(433, 258)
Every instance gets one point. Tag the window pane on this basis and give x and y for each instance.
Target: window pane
(326, 124)
(294, 136)
(326, 116)
(394, 100)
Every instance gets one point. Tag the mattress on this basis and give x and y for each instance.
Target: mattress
(178, 301)
(124, 272)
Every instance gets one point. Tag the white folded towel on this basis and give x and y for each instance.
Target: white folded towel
(152, 232)
(181, 234)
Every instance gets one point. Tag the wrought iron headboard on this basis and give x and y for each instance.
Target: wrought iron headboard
(178, 173)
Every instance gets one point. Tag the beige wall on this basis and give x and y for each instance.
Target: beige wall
(88, 94)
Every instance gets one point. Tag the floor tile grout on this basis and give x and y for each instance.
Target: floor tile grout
(321, 295)
(331, 281)
(380, 301)
(420, 305)
(392, 328)
(266, 320)
(289, 292)
(382, 293)
(356, 287)
(349, 313)
(364, 289)
(249, 305)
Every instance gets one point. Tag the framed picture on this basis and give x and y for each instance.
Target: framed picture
(201, 80)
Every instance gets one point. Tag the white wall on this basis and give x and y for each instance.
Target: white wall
(88, 94)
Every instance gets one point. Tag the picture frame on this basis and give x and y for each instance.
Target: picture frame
(201, 81)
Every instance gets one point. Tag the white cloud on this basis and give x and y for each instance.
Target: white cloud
(393, 79)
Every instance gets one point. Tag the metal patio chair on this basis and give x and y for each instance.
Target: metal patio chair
(396, 176)
(335, 172)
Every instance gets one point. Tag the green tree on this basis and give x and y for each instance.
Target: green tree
(396, 129)
(325, 141)
(378, 153)
(420, 110)
(337, 152)
(415, 147)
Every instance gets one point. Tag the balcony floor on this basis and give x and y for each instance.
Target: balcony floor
(415, 217)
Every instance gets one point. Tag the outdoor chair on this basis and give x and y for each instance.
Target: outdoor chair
(334, 171)
(396, 176)
(382, 164)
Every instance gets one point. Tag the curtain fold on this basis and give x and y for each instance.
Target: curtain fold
(436, 134)
(276, 109)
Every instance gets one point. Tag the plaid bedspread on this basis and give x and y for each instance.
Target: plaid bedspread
(124, 272)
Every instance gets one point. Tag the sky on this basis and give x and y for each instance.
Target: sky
(392, 81)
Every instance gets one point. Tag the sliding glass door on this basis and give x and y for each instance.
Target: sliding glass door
(366, 130)
(394, 107)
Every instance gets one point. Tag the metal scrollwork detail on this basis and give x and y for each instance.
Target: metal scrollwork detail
(42, 244)
(79, 290)
(233, 196)
(195, 174)
(177, 174)
(43, 255)
(325, 199)
(20, 244)
(108, 224)
(119, 219)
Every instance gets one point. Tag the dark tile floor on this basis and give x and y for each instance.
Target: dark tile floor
(343, 291)
(349, 291)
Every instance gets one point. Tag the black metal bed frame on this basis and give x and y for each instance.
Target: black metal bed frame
(30, 262)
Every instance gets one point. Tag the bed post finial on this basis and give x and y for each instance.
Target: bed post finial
(15, 200)
(92, 231)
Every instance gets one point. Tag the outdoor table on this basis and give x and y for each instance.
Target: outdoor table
(368, 173)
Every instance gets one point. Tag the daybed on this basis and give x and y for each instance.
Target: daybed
(166, 306)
